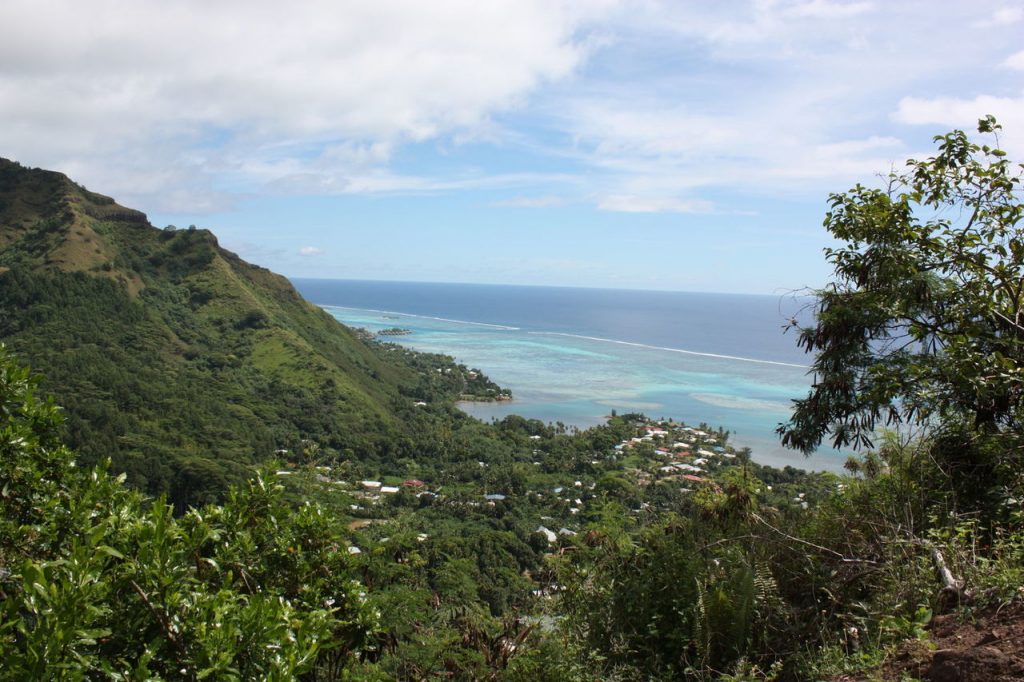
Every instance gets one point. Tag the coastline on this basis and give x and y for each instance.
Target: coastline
(466, 398)
(558, 375)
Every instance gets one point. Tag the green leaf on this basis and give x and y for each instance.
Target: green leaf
(110, 551)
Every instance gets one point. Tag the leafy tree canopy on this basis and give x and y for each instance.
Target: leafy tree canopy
(923, 321)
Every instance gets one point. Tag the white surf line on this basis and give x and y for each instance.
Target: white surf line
(422, 317)
(671, 350)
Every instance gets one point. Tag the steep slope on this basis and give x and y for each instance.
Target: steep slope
(172, 355)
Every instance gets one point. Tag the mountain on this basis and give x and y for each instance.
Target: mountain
(173, 356)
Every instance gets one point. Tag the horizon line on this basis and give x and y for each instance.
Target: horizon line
(784, 294)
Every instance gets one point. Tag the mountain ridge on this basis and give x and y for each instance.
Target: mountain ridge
(194, 359)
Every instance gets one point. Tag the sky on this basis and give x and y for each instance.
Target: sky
(637, 144)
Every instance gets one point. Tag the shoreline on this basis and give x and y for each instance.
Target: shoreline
(576, 379)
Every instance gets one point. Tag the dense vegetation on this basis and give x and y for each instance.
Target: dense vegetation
(421, 544)
(182, 363)
(300, 573)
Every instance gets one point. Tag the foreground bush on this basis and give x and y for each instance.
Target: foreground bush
(96, 581)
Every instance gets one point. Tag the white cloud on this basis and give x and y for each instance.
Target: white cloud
(638, 204)
(650, 129)
(964, 113)
(954, 110)
(773, 97)
(200, 88)
(643, 103)
(1015, 61)
(650, 155)
(310, 251)
(829, 10)
(1004, 16)
(383, 181)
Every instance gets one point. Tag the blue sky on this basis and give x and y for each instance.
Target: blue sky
(610, 143)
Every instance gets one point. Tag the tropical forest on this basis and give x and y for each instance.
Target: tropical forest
(204, 476)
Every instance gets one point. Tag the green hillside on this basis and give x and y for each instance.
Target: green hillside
(405, 541)
(172, 355)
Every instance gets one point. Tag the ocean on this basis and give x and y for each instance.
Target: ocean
(573, 355)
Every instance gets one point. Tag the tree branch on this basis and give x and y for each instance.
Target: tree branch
(161, 618)
(826, 550)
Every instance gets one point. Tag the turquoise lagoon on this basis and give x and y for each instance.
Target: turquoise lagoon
(578, 379)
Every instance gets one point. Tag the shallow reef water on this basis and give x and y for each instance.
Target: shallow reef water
(558, 375)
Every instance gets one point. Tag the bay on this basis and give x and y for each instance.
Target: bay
(574, 355)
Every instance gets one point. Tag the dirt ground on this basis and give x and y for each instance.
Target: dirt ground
(989, 649)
